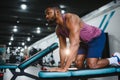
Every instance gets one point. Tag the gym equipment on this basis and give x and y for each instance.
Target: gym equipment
(28, 62)
(83, 73)
(69, 75)
(1, 75)
(80, 74)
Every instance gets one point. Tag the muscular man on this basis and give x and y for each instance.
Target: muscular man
(80, 35)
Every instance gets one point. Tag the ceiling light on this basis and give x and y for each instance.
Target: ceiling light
(62, 11)
(18, 21)
(46, 24)
(15, 26)
(18, 47)
(39, 19)
(23, 6)
(11, 38)
(9, 43)
(15, 30)
(38, 31)
(28, 39)
(23, 43)
(38, 28)
(62, 6)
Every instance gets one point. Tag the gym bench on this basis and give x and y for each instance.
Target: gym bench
(28, 62)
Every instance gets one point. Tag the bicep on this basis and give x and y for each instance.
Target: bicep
(74, 37)
(74, 30)
(62, 39)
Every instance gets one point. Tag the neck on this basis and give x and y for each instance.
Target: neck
(59, 20)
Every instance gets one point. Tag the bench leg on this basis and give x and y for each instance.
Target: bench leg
(118, 77)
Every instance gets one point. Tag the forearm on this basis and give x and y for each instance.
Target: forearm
(72, 55)
(62, 58)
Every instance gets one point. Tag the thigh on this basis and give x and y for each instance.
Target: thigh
(96, 46)
(81, 53)
(82, 49)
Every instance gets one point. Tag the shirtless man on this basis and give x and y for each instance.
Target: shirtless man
(70, 26)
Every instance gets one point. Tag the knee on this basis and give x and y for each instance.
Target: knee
(79, 64)
(91, 66)
(92, 63)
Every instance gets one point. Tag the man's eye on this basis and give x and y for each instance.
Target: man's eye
(49, 13)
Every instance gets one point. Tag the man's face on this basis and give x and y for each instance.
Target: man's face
(50, 15)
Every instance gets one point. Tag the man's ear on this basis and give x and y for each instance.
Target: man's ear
(57, 12)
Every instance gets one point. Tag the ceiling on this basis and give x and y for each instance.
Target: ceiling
(27, 21)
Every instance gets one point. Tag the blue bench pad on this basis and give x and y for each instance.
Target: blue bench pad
(45, 74)
(89, 72)
(118, 69)
(86, 72)
(8, 66)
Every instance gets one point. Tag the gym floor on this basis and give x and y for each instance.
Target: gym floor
(35, 69)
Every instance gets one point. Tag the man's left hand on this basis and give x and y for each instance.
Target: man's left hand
(57, 70)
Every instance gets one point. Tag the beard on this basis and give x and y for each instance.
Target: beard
(52, 21)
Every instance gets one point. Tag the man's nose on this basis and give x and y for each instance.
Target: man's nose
(46, 17)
